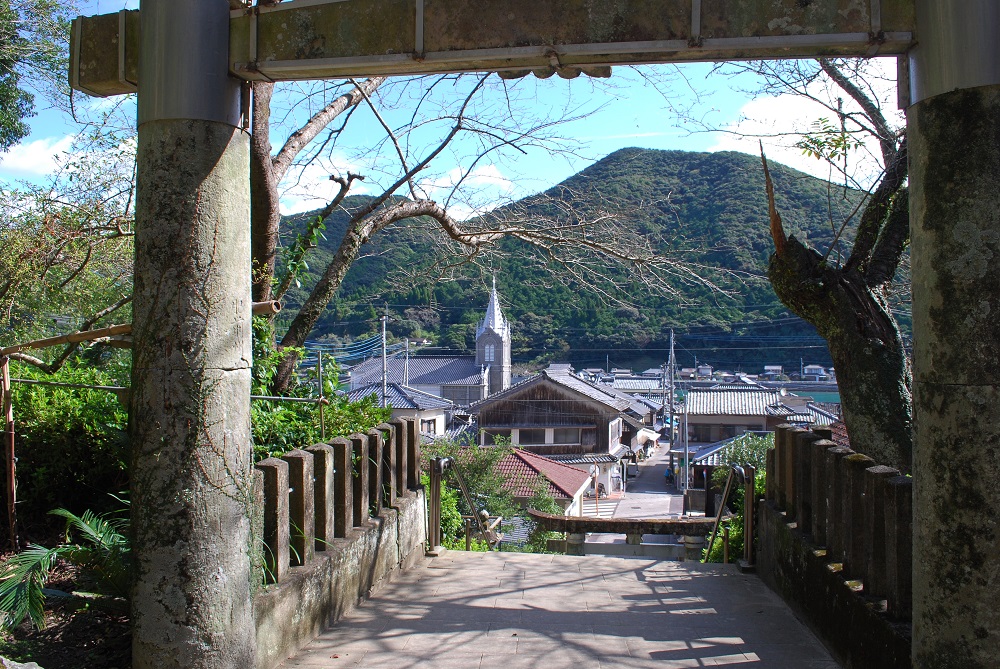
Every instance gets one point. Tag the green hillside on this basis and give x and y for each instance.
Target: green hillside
(710, 210)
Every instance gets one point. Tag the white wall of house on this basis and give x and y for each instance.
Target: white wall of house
(431, 421)
(709, 429)
(534, 436)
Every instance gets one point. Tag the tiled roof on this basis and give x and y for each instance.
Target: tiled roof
(840, 436)
(584, 458)
(741, 401)
(424, 370)
(634, 385)
(607, 395)
(521, 471)
(401, 397)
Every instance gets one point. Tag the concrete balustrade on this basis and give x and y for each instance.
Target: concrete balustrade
(334, 519)
(323, 494)
(836, 537)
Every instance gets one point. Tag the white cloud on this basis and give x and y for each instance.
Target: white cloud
(779, 122)
(309, 187)
(481, 178)
(36, 158)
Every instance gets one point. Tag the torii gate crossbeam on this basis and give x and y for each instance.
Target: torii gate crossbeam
(190, 429)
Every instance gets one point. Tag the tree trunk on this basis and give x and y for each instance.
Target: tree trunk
(873, 371)
(264, 206)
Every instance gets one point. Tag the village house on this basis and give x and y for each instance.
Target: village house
(567, 419)
(727, 410)
(525, 474)
(432, 412)
(461, 379)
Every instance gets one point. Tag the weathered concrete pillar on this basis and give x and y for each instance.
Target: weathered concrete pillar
(301, 506)
(359, 458)
(412, 454)
(376, 493)
(274, 518)
(803, 501)
(343, 487)
(817, 486)
(899, 546)
(323, 494)
(399, 447)
(575, 543)
(953, 131)
(836, 473)
(854, 504)
(190, 403)
(389, 464)
(876, 492)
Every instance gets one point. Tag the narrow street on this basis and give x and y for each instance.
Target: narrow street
(646, 496)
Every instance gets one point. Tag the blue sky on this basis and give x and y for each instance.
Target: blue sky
(623, 111)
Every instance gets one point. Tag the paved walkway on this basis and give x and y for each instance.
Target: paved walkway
(516, 611)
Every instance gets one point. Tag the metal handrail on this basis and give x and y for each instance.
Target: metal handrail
(735, 472)
(439, 467)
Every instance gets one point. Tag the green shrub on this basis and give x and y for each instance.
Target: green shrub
(71, 444)
(747, 449)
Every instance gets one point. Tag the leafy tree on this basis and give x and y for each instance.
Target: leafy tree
(34, 36)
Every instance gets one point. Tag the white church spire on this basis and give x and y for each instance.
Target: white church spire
(494, 319)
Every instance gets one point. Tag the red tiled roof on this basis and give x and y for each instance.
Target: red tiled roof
(840, 434)
(521, 471)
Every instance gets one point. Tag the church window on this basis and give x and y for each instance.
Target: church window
(489, 352)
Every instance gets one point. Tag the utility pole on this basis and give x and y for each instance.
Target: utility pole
(670, 370)
(385, 368)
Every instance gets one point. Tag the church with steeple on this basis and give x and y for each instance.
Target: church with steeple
(462, 379)
(493, 345)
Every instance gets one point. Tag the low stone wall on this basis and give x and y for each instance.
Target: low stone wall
(292, 614)
(337, 520)
(834, 540)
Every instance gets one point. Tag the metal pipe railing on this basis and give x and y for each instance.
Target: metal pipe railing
(735, 472)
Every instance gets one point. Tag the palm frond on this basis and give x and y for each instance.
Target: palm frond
(22, 578)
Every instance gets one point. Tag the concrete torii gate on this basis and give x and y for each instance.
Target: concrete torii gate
(191, 495)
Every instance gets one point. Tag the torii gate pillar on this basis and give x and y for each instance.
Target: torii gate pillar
(954, 147)
(190, 427)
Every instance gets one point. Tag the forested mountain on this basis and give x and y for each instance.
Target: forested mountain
(708, 210)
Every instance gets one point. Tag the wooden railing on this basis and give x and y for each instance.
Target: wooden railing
(310, 497)
(858, 511)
